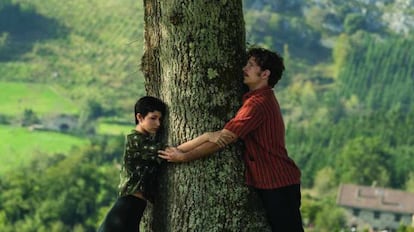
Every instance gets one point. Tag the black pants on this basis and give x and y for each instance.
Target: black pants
(124, 216)
(282, 206)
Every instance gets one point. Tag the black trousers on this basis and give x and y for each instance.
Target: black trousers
(282, 206)
(125, 215)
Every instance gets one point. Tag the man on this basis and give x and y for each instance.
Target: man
(259, 123)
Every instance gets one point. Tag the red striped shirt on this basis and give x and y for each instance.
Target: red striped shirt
(260, 125)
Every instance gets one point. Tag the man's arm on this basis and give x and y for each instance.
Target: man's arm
(175, 155)
(192, 144)
(215, 142)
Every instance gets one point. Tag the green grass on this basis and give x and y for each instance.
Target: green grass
(114, 128)
(43, 99)
(19, 145)
(92, 49)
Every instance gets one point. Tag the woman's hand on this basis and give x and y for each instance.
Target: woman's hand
(172, 154)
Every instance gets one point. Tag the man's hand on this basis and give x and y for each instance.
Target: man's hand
(172, 154)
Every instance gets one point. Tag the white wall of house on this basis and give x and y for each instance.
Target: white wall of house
(376, 219)
(59, 122)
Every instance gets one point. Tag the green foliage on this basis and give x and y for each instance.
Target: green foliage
(325, 216)
(326, 142)
(276, 5)
(89, 48)
(5, 3)
(353, 22)
(42, 99)
(357, 114)
(90, 111)
(330, 219)
(273, 33)
(325, 182)
(113, 128)
(379, 73)
(309, 209)
(340, 53)
(404, 228)
(62, 193)
(19, 145)
(409, 184)
(364, 161)
(29, 118)
(401, 157)
(315, 18)
(3, 41)
(367, 115)
(24, 26)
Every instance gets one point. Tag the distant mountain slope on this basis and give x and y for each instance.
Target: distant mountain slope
(331, 15)
(92, 48)
(380, 73)
(16, 97)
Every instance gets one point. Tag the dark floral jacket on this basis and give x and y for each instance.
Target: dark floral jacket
(140, 165)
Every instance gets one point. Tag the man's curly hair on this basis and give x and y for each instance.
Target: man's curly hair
(268, 60)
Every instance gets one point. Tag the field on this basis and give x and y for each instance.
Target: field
(19, 145)
(43, 99)
(113, 128)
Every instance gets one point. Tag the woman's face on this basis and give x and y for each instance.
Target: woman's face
(150, 123)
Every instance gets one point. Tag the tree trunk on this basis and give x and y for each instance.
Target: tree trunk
(194, 53)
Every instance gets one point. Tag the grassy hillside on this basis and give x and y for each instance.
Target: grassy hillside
(386, 74)
(43, 99)
(113, 128)
(19, 145)
(91, 49)
(338, 96)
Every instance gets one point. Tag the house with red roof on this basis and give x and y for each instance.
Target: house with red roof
(376, 208)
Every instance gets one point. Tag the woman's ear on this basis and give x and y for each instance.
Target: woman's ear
(139, 117)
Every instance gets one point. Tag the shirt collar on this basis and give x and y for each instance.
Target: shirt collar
(145, 136)
(260, 91)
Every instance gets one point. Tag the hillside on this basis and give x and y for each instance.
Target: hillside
(19, 146)
(16, 97)
(88, 53)
(91, 49)
(346, 99)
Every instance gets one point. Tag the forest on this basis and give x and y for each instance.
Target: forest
(346, 98)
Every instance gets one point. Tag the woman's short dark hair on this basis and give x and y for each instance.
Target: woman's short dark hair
(148, 104)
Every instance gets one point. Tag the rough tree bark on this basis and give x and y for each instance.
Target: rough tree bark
(194, 53)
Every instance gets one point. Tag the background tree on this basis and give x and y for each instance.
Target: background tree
(193, 58)
(353, 22)
(364, 161)
(330, 219)
(91, 110)
(29, 117)
(409, 185)
(325, 182)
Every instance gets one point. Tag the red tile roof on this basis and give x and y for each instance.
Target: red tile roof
(375, 198)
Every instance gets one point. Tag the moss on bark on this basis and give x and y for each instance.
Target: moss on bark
(194, 53)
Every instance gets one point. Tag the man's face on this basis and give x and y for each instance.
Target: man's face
(150, 123)
(253, 75)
